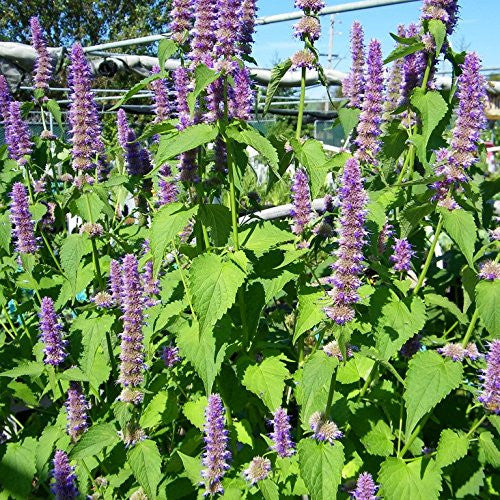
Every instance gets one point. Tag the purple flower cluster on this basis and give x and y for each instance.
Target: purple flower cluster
(83, 116)
(115, 281)
(51, 334)
(20, 217)
(241, 96)
(247, 14)
(64, 486)
(76, 412)
(471, 120)
(216, 455)
(308, 28)
(323, 428)
(282, 441)
(456, 352)
(414, 66)
(5, 98)
(17, 134)
(257, 470)
(170, 356)
(162, 105)
(394, 81)
(365, 487)
(490, 397)
(332, 349)
(346, 269)
(303, 59)
(131, 355)
(490, 270)
(301, 201)
(43, 66)
(441, 10)
(204, 37)
(353, 86)
(386, 232)
(402, 255)
(313, 6)
(368, 129)
(182, 19)
(137, 158)
(227, 32)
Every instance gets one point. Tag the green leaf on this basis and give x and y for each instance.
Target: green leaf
(201, 352)
(218, 219)
(249, 136)
(5, 232)
(55, 111)
(135, 89)
(488, 450)
(430, 378)
(452, 446)
(74, 247)
(310, 311)
(398, 322)
(185, 140)
(192, 467)
(30, 368)
(321, 467)
(349, 118)
(404, 50)
(378, 440)
(195, 410)
(438, 31)
(461, 228)
(467, 478)
(167, 223)
(213, 284)
(89, 207)
(415, 480)
(98, 437)
(161, 409)
(316, 377)
(488, 305)
(17, 469)
(203, 77)
(269, 489)
(411, 216)
(439, 300)
(166, 49)
(267, 381)
(261, 237)
(23, 392)
(145, 462)
(277, 73)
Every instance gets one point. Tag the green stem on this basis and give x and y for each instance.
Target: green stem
(301, 104)
(7, 315)
(331, 392)
(52, 381)
(49, 248)
(476, 425)
(430, 255)
(400, 428)
(92, 480)
(472, 324)
(411, 151)
(183, 278)
(414, 435)
(427, 73)
(368, 381)
(95, 255)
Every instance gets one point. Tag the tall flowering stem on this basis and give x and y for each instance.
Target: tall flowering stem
(282, 441)
(248, 11)
(132, 349)
(216, 455)
(76, 411)
(43, 66)
(394, 82)
(64, 486)
(441, 10)
(5, 98)
(368, 129)
(18, 135)
(83, 116)
(354, 85)
(182, 19)
(346, 269)
(205, 25)
(301, 201)
(51, 334)
(490, 396)
(22, 222)
(366, 488)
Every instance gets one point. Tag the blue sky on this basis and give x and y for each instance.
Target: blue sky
(477, 30)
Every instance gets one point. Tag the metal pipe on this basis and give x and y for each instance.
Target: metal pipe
(278, 18)
(67, 89)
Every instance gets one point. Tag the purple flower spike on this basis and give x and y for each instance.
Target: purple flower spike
(365, 487)
(472, 352)
(402, 255)
(471, 120)
(64, 486)
(216, 455)
(453, 351)
(351, 232)
(228, 28)
(490, 270)
(18, 135)
(411, 346)
(257, 470)
(162, 105)
(167, 187)
(441, 10)
(301, 201)
(282, 442)
(490, 397)
(20, 217)
(182, 19)
(395, 81)
(313, 6)
(137, 159)
(248, 12)
(115, 281)
(308, 28)
(242, 96)
(324, 429)
(43, 66)
(170, 356)
(76, 411)
(303, 59)
(414, 65)
(353, 86)
(51, 334)
(204, 38)
(83, 116)
(368, 141)
(132, 355)
(5, 98)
